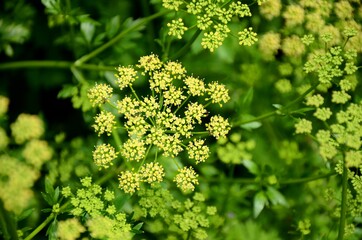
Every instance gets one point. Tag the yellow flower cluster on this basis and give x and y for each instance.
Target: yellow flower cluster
(165, 119)
(103, 155)
(212, 17)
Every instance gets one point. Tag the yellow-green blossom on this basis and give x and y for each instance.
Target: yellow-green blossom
(134, 149)
(218, 93)
(4, 104)
(218, 126)
(37, 152)
(152, 172)
(247, 37)
(69, 229)
(16, 181)
(104, 123)
(99, 94)
(129, 181)
(125, 76)
(303, 126)
(176, 28)
(103, 155)
(27, 127)
(198, 151)
(186, 179)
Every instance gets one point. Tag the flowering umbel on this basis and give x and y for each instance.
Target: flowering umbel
(169, 120)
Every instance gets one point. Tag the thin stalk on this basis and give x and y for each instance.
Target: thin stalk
(342, 219)
(282, 182)
(41, 226)
(114, 40)
(278, 111)
(186, 48)
(53, 64)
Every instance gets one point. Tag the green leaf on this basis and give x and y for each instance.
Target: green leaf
(25, 214)
(88, 29)
(137, 229)
(113, 26)
(68, 91)
(276, 197)
(260, 201)
(251, 166)
(251, 125)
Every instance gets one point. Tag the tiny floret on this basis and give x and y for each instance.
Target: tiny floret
(104, 123)
(218, 126)
(323, 113)
(152, 173)
(103, 155)
(247, 37)
(303, 126)
(218, 93)
(186, 179)
(99, 94)
(149, 63)
(129, 181)
(198, 151)
(195, 86)
(125, 76)
(176, 28)
(134, 149)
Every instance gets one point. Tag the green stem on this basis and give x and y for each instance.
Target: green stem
(278, 111)
(306, 179)
(41, 226)
(53, 64)
(7, 224)
(186, 48)
(342, 219)
(283, 182)
(114, 40)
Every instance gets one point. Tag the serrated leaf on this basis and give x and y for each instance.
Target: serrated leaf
(25, 214)
(47, 198)
(275, 196)
(251, 166)
(260, 201)
(113, 26)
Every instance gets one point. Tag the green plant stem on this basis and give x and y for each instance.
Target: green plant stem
(7, 224)
(114, 40)
(186, 48)
(41, 226)
(342, 219)
(46, 222)
(278, 111)
(306, 179)
(282, 182)
(53, 64)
